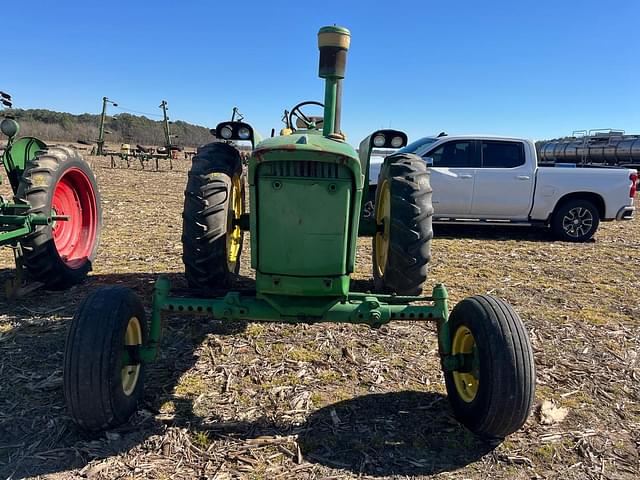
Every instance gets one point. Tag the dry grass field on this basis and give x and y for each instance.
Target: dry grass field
(261, 401)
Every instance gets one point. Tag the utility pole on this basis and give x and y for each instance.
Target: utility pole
(167, 133)
(105, 100)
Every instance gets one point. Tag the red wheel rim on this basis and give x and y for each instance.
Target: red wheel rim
(75, 238)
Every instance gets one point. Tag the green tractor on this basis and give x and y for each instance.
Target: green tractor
(307, 190)
(54, 220)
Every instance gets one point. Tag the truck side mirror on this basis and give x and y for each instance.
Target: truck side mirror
(428, 161)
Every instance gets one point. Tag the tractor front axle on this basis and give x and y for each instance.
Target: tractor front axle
(374, 310)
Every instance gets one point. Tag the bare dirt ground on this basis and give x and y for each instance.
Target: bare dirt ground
(332, 401)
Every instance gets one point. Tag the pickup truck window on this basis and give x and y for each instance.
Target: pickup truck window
(455, 154)
(498, 154)
(418, 146)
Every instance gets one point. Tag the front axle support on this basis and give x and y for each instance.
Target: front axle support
(358, 308)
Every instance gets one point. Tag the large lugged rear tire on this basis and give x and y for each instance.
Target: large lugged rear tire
(59, 181)
(214, 197)
(403, 213)
(100, 389)
(493, 394)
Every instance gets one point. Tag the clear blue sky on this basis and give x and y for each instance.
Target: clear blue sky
(536, 69)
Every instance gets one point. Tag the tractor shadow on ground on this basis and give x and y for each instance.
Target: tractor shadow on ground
(400, 433)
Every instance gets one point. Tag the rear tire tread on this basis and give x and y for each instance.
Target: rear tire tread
(411, 229)
(205, 218)
(40, 255)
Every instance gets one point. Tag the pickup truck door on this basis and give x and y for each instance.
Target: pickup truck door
(504, 183)
(452, 176)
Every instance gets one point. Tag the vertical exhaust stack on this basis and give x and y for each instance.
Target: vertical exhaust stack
(333, 43)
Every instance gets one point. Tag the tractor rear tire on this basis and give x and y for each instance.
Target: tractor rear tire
(58, 180)
(403, 215)
(100, 390)
(214, 197)
(493, 396)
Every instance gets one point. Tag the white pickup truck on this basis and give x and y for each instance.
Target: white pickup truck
(497, 180)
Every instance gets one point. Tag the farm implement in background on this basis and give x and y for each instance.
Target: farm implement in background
(308, 191)
(141, 154)
(54, 220)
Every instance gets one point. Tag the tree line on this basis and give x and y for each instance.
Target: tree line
(122, 128)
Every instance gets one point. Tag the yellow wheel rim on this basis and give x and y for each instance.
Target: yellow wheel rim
(466, 383)
(234, 234)
(383, 217)
(130, 373)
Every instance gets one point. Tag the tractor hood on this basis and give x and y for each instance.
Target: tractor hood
(308, 147)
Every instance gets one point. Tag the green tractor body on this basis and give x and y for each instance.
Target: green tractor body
(53, 221)
(309, 188)
(309, 201)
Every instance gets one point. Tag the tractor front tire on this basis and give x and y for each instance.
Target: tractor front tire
(213, 202)
(493, 393)
(403, 215)
(101, 390)
(58, 181)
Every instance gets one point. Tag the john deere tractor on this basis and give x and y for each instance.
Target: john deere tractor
(306, 210)
(54, 220)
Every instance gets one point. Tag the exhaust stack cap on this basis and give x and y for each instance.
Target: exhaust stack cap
(333, 43)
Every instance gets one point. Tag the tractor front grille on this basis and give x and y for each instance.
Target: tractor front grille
(303, 169)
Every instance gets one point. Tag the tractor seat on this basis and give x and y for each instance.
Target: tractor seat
(317, 119)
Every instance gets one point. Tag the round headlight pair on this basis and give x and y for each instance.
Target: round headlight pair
(243, 133)
(380, 141)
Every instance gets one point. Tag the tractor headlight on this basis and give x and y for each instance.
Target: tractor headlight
(396, 142)
(226, 132)
(379, 141)
(244, 133)
(9, 127)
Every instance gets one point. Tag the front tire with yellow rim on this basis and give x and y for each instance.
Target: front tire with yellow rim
(213, 204)
(103, 377)
(491, 387)
(403, 214)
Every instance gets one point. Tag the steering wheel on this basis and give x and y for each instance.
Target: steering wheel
(296, 112)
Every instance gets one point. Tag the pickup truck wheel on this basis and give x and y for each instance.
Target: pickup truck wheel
(575, 221)
(403, 215)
